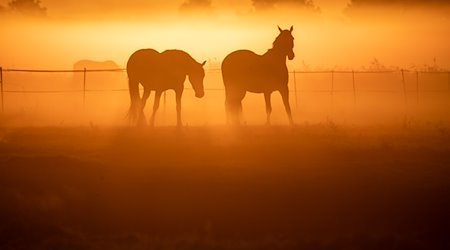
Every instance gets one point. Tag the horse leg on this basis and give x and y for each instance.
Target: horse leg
(178, 94)
(133, 112)
(145, 95)
(155, 106)
(233, 105)
(268, 106)
(285, 96)
(228, 106)
(239, 105)
(237, 100)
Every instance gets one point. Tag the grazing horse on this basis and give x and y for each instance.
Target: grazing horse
(160, 72)
(243, 71)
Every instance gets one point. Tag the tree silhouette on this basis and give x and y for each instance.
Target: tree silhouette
(358, 3)
(270, 4)
(439, 6)
(397, 3)
(27, 7)
(196, 7)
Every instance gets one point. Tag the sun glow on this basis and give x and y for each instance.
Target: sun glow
(72, 41)
(319, 43)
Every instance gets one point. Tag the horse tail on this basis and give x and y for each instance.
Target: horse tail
(133, 112)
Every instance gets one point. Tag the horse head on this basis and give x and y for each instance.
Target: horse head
(285, 42)
(196, 78)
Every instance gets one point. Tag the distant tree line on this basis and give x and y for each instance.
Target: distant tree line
(403, 4)
(271, 4)
(34, 8)
(364, 3)
(25, 8)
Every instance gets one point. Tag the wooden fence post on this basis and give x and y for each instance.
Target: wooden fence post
(84, 88)
(404, 86)
(448, 78)
(417, 86)
(295, 91)
(332, 87)
(354, 88)
(1, 85)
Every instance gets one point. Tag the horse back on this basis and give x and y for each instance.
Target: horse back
(156, 70)
(141, 62)
(247, 70)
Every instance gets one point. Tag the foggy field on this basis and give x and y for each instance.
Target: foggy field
(357, 156)
(322, 186)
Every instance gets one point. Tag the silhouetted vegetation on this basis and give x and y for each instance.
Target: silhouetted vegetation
(404, 3)
(439, 6)
(196, 6)
(286, 9)
(270, 4)
(27, 7)
(2, 9)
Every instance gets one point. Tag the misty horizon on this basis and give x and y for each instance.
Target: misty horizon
(104, 9)
(329, 36)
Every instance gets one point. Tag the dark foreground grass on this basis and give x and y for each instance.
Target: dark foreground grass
(305, 187)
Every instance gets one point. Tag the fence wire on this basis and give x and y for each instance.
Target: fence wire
(332, 90)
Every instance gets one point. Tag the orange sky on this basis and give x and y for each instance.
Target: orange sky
(69, 8)
(326, 39)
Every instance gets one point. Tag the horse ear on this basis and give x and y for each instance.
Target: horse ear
(279, 29)
(203, 63)
(291, 29)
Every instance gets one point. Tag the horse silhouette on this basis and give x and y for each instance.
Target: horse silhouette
(160, 72)
(95, 78)
(90, 64)
(243, 71)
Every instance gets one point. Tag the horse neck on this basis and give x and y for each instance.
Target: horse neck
(181, 62)
(275, 54)
(190, 66)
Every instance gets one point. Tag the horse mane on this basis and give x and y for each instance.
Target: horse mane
(277, 41)
(277, 44)
(184, 54)
(187, 59)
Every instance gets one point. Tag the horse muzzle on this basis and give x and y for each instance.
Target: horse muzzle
(291, 56)
(199, 94)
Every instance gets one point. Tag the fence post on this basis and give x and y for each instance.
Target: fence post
(417, 86)
(332, 87)
(354, 88)
(295, 91)
(1, 85)
(404, 86)
(84, 88)
(448, 78)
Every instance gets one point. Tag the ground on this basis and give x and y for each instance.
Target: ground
(252, 187)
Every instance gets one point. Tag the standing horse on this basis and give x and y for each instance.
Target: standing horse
(160, 72)
(243, 71)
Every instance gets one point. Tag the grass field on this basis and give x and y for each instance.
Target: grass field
(214, 187)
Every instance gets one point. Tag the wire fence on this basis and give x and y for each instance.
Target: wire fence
(296, 90)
